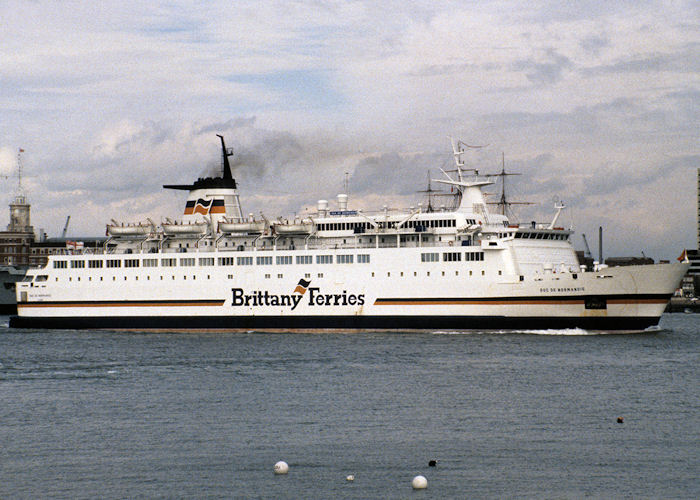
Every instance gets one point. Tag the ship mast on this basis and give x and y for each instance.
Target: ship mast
(430, 193)
(469, 195)
(458, 149)
(504, 205)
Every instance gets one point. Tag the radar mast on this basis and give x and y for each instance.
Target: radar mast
(504, 204)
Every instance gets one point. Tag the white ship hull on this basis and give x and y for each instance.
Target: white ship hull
(395, 291)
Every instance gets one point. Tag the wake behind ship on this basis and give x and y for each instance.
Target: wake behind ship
(458, 268)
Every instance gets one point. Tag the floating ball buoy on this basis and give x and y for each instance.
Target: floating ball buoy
(620, 420)
(281, 467)
(432, 463)
(419, 483)
(351, 477)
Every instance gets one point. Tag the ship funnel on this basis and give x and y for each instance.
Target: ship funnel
(225, 153)
(342, 201)
(322, 208)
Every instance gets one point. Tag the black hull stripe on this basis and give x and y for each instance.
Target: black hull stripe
(344, 323)
(564, 299)
(124, 303)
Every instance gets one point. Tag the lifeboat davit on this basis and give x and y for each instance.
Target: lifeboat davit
(140, 229)
(173, 228)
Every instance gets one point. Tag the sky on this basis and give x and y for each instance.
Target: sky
(594, 103)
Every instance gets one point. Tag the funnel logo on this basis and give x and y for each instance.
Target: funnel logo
(302, 286)
(205, 207)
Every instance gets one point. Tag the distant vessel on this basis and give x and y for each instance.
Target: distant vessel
(9, 276)
(457, 268)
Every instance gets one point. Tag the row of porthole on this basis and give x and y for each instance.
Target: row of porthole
(427, 273)
(281, 276)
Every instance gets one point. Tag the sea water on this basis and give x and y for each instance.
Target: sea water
(98, 414)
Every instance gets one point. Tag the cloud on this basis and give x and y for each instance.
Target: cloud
(685, 61)
(548, 70)
(595, 44)
(590, 100)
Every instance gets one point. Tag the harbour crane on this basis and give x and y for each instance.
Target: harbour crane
(588, 249)
(65, 227)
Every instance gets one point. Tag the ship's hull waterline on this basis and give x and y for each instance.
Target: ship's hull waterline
(318, 324)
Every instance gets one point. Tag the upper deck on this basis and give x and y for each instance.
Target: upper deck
(213, 222)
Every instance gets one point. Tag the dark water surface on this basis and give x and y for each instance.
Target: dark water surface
(94, 414)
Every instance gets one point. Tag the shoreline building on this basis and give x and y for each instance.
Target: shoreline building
(691, 281)
(21, 249)
(19, 236)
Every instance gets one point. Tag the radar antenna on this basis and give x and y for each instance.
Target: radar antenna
(458, 149)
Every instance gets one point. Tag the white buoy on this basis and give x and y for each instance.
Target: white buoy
(351, 477)
(419, 483)
(281, 467)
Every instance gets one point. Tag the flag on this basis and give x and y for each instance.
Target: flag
(202, 206)
(302, 286)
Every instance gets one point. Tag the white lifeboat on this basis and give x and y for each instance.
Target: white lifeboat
(173, 228)
(305, 226)
(252, 226)
(129, 229)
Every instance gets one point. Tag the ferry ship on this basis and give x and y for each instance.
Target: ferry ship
(459, 268)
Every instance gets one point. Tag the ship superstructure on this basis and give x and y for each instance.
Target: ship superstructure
(460, 268)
